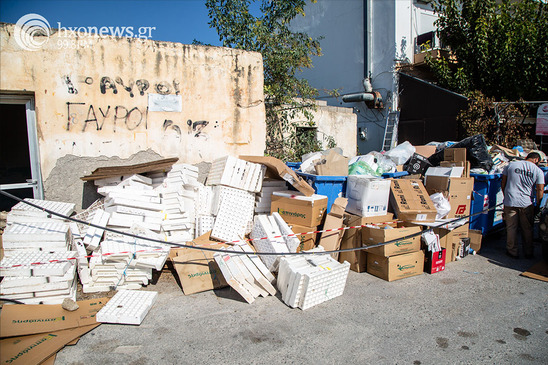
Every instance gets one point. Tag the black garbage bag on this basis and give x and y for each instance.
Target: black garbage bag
(476, 153)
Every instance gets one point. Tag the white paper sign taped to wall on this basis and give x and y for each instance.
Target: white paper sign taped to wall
(165, 103)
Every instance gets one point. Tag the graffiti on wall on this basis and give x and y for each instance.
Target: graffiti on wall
(108, 84)
(90, 116)
(82, 116)
(195, 129)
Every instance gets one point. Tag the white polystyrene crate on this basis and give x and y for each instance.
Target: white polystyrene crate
(262, 280)
(297, 288)
(22, 208)
(127, 307)
(37, 264)
(267, 238)
(326, 284)
(235, 211)
(258, 262)
(203, 200)
(36, 246)
(135, 204)
(93, 235)
(36, 232)
(285, 270)
(222, 261)
(134, 211)
(291, 241)
(204, 224)
(241, 274)
(35, 288)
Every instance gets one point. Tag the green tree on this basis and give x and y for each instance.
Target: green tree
(500, 47)
(285, 53)
(500, 54)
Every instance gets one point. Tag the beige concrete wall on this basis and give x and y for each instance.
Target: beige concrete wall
(339, 123)
(92, 97)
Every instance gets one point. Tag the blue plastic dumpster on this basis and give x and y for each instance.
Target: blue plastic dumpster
(394, 175)
(545, 198)
(487, 193)
(330, 186)
(294, 165)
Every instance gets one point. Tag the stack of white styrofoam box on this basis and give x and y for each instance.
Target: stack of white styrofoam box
(178, 223)
(92, 236)
(235, 210)
(126, 262)
(48, 235)
(264, 197)
(127, 307)
(305, 281)
(23, 212)
(249, 277)
(129, 200)
(82, 262)
(178, 192)
(203, 207)
(39, 277)
(267, 237)
(236, 173)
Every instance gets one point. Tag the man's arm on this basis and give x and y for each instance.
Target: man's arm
(540, 193)
(503, 183)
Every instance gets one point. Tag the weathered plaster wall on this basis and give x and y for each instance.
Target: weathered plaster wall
(92, 97)
(339, 123)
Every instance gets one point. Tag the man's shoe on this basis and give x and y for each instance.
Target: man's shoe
(512, 256)
(530, 256)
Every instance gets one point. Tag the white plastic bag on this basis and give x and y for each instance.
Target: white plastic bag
(307, 166)
(401, 153)
(431, 241)
(442, 205)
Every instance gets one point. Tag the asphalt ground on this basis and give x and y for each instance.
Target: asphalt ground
(478, 311)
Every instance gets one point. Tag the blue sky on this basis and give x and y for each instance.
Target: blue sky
(174, 20)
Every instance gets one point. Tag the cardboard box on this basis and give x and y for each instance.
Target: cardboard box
(448, 238)
(396, 267)
(352, 238)
(19, 320)
(457, 189)
(277, 169)
(333, 164)
(464, 164)
(367, 196)
(34, 349)
(331, 241)
(197, 269)
(425, 151)
(411, 202)
(434, 261)
(308, 241)
(475, 239)
(299, 209)
(454, 154)
(372, 236)
(417, 164)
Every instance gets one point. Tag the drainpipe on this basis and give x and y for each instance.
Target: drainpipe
(366, 38)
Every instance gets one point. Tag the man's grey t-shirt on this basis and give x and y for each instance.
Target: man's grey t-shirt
(521, 180)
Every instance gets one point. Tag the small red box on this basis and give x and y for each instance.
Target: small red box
(434, 261)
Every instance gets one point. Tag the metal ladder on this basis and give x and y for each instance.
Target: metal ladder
(391, 131)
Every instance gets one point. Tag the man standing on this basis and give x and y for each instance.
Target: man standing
(520, 180)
